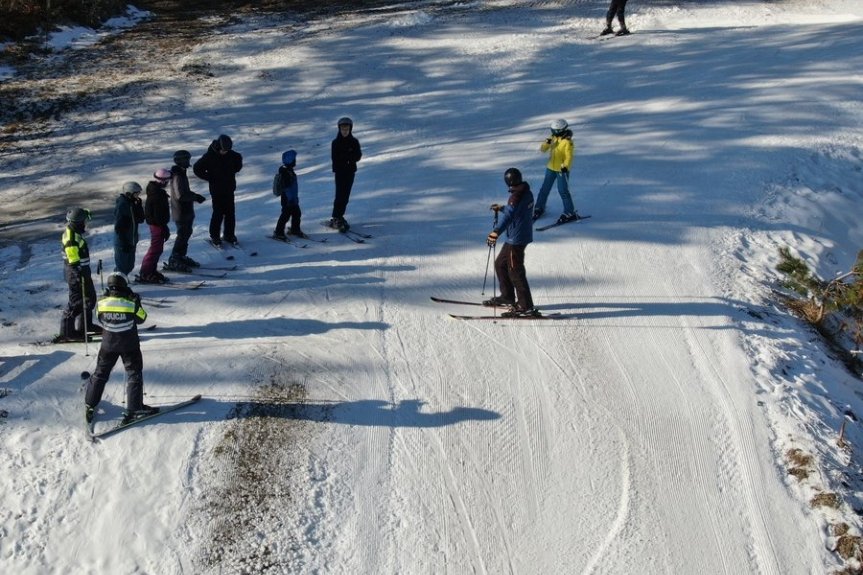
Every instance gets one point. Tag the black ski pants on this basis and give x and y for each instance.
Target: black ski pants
(181, 238)
(134, 364)
(81, 287)
(512, 277)
(617, 8)
(290, 212)
(224, 211)
(344, 183)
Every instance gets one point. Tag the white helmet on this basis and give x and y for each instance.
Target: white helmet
(559, 126)
(132, 188)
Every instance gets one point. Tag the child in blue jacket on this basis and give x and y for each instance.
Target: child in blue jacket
(286, 187)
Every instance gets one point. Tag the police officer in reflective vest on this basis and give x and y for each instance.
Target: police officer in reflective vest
(76, 269)
(120, 312)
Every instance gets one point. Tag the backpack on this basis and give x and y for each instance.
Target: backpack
(277, 184)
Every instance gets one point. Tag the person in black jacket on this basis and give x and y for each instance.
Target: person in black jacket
(219, 167)
(120, 312)
(345, 151)
(157, 212)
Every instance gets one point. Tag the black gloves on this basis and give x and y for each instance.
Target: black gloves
(491, 240)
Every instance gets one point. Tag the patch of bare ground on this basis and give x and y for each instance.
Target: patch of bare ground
(248, 478)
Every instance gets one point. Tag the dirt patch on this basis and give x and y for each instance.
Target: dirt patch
(250, 477)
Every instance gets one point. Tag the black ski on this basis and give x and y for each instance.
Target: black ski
(59, 340)
(218, 268)
(175, 285)
(238, 247)
(353, 235)
(289, 241)
(193, 272)
(94, 435)
(359, 234)
(459, 302)
(556, 224)
(219, 249)
(471, 317)
(308, 237)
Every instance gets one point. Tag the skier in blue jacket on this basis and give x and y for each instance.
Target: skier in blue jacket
(517, 219)
(285, 186)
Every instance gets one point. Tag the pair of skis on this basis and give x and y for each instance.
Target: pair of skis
(493, 317)
(353, 235)
(556, 224)
(222, 250)
(94, 435)
(294, 240)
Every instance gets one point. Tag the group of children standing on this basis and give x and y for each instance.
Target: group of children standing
(169, 197)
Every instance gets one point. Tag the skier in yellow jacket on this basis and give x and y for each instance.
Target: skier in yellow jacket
(560, 150)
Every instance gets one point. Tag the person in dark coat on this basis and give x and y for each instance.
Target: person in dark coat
(128, 214)
(219, 167)
(120, 312)
(157, 213)
(517, 219)
(616, 8)
(78, 314)
(345, 152)
(183, 201)
(285, 186)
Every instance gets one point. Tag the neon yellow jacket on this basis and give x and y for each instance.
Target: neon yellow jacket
(560, 151)
(75, 250)
(119, 314)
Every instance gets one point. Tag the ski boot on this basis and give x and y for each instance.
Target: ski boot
(190, 262)
(537, 214)
(519, 312)
(176, 264)
(132, 415)
(564, 218)
(608, 30)
(498, 301)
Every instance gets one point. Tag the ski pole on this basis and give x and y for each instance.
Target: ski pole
(485, 278)
(101, 276)
(84, 317)
(491, 251)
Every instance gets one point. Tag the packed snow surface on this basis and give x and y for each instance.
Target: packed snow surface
(348, 425)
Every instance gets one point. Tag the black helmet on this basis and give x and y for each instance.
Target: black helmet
(345, 121)
(77, 215)
(182, 158)
(225, 144)
(117, 281)
(512, 177)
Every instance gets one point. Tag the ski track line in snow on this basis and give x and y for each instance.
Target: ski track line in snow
(744, 468)
(623, 509)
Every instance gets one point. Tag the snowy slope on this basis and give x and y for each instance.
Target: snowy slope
(349, 426)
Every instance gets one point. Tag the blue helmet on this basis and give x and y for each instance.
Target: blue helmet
(289, 158)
